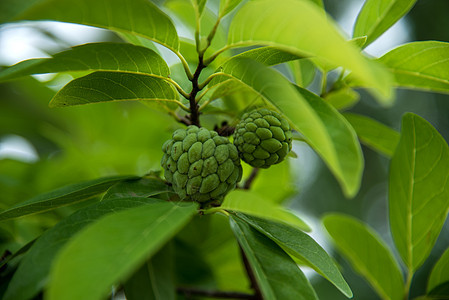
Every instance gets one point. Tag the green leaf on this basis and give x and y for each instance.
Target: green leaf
(143, 187)
(155, 279)
(67, 195)
(343, 98)
(121, 241)
(252, 204)
(226, 6)
(303, 71)
(440, 272)
(138, 17)
(32, 274)
(276, 273)
(377, 16)
(326, 131)
(418, 189)
(114, 86)
(375, 135)
(93, 57)
(268, 56)
(348, 168)
(281, 24)
(420, 65)
(367, 253)
(302, 246)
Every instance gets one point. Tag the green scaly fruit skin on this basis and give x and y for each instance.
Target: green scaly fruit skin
(201, 165)
(263, 138)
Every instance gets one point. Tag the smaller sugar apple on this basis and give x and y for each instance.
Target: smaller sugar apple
(201, 165)
(263, 138)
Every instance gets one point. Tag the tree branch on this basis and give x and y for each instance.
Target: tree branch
(251, 276)
(250, 179)
(189, 292)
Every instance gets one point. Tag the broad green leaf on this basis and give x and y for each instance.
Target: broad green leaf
(377, 16)
(343, 98)
(121, 241)
(282, 24)
(252, 204)
(420, 65)
(226, 6)
(440, 272)
(93, 57)
(67, 195)
(318, 2)
(32, 275)
(138, 17)
(302, 246)
(440, 292)
(114, 86)
(349, 167)
(326, 131)
(418, 189)
(143, 187)
(375, 135)
(138, 41)
(268, 56)
(276, 273)
(367, 253)
(303, 71)
(155, 279)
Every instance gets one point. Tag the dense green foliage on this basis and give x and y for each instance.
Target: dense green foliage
(215, 224)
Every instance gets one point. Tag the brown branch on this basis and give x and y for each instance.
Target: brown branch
(225, 129)
(250, 179)
(189, 292)
(194, 107)
(251, 276)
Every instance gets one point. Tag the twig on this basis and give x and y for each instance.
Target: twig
(250, 179)
(189, 292)
(252, 278)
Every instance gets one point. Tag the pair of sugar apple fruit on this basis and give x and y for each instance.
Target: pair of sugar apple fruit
(203, 166)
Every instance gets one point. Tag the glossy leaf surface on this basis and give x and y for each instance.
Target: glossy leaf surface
(281, 24)
(249, 203)
(369, 255)
(64, 196)
(420, 65)
(301, 245)
(375, 135)
(126, 238)
(93, 57)
(276, 273)
(377, 16)
(343, 98)
(113, 86)
(155, 280)
(143, 187)
(316, 120)
(418, 189)
(440, 272)
(139, 17)
(32, 274)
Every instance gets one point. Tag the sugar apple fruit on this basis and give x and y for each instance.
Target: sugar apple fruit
(201, 165)
(263, 138)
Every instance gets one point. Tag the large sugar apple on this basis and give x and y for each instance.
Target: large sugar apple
(201, 165)
(263, 138)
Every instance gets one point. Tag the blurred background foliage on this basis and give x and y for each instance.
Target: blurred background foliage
(42, 148)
